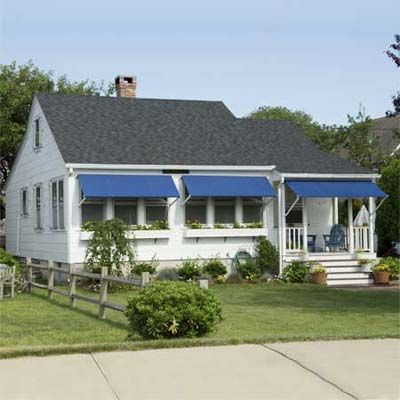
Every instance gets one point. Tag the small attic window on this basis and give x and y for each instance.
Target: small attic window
(37, 138)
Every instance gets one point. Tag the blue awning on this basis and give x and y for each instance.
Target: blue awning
(228, 186)
(335, 188)
(128, 186)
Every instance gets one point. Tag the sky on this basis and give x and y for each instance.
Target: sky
(321, 57)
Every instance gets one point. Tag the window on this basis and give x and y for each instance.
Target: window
(24, 202)
(37, 190)
(92, 210)
(196, 211)
(126, 211)
(224, 209)
(252, 210)
(156, 210)
(57, 204)
(37, 134)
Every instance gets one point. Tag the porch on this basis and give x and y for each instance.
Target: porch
(317, 224)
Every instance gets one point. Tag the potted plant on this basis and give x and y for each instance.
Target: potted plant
(381, 273)
(319, 274)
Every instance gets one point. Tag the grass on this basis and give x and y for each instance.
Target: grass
(32, 324)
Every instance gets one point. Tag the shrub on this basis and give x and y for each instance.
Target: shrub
(109, 247)
(381, 267)
(173, 309)
(168, 274)
(7, 259)
(267, 256)
(189, 270)
(249, 270)
(394, 266)
(234, 277)
(214, 268)
(145, 266)
(296, 272)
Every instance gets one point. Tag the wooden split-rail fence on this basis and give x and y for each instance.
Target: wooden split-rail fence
(73, 275)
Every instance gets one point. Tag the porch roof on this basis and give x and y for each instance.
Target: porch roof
(228, 186)
(127, 186)
(335, 188)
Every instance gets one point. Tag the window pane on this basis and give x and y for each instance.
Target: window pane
(24, 203)
(196, 210)
(92, 212)
(37, 133)
(61, 191)
(126, 212)
(156, 210)
(252, 210)
(54, 217)
(224, 211)
(61, 217)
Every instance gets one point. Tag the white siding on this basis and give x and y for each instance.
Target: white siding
(177, 247)
(33, 167)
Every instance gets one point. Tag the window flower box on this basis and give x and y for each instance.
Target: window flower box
(138, 234)
(225, 232)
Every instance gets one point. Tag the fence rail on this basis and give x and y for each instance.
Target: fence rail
(361, 238)
(73, 274)
(294, 239)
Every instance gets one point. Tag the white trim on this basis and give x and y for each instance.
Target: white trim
(330, 176)
(177, 167)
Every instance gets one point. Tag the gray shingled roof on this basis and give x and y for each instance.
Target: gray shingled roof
(108, 130)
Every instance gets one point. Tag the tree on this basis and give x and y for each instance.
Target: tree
(18, 83)
(327, 138)
(396, 59)
(388, 216)
(359, 144)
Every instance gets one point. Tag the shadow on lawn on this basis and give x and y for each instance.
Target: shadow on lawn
(313, 299)
(90, 314)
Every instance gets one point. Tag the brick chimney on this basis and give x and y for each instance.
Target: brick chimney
(126, 86)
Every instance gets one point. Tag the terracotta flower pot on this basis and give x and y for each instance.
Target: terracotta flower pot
(381, 277)
(319, 278)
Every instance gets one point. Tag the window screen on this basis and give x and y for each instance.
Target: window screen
(252, 210)
(156, 210)
(224, 209)
(196, 211)
(126, 211)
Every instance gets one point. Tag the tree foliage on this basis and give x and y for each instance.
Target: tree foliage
(18, 83)
(388, 216)
(394, 54)
(326, 137)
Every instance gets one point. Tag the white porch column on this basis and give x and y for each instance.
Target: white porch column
(281, 224)
(371, 209)
(335, 211)
(109, 212)
(350, 218)
(239, 210)
(305, 226)
(210, 211)
(141, 215)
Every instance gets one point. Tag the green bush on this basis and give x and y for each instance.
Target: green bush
(267, 256)
(394, 266)
(189, 270)
(7, 259)
(249, 270)
(214, 268)
(296, 272)
(234, 277)
(173, 309)
(168, 274)
(145, 266)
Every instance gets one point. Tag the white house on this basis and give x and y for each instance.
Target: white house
(145, 160)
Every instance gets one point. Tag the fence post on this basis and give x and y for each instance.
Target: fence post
(50, 279)
(72, 286)
(103, 292)
(13, 282)
(29, 273)
(145, 279)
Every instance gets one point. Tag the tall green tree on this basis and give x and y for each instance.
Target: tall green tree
(394, 54)
(388, 216)
(18, 83)
(327, 138)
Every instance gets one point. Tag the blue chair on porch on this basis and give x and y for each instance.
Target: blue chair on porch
(336, 240)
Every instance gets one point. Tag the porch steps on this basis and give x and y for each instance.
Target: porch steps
(347, 272)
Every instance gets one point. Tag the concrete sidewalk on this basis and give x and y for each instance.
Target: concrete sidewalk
(356, 369)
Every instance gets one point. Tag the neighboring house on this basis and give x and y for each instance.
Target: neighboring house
(145, 160)
(387, 130)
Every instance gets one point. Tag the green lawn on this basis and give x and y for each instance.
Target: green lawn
(32, 324)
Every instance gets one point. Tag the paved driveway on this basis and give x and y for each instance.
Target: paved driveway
(357, 369)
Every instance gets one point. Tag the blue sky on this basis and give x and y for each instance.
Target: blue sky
(322, 57)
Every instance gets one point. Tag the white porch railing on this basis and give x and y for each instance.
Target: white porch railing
(361, 238)
(294, 239)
